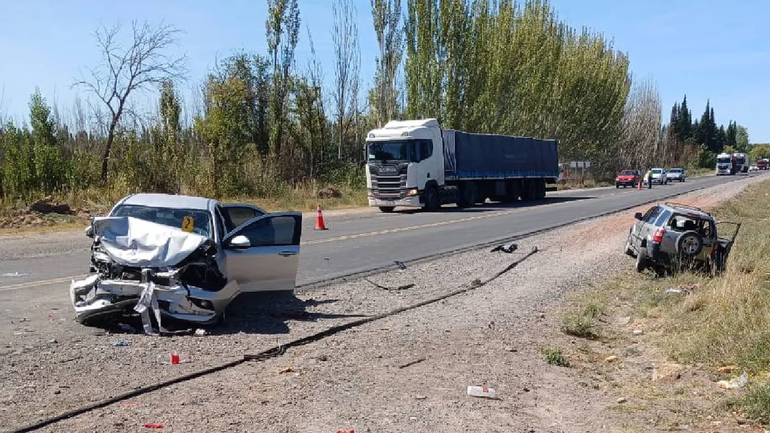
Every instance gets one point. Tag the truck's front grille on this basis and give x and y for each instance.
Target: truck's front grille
(389, 186)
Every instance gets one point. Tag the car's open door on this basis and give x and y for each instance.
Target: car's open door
(263, 253)
(237, 214)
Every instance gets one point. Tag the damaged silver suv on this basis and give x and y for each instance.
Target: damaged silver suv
(673, 234)
(184, 257)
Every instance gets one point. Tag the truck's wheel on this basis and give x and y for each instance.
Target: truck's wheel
(432, 199)
(387, 209)
(467, 196)
(526, 190)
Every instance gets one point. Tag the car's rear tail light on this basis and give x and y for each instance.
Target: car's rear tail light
(658, 236)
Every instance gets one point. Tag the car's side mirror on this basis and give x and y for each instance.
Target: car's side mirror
(638, 216)
(239, 242)
(90, 231)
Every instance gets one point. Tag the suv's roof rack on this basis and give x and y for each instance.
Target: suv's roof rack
(686, 206)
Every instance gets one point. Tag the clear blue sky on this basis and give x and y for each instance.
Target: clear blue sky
(706, 49)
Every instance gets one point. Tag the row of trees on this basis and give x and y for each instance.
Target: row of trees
(263, 123)
(704, 134)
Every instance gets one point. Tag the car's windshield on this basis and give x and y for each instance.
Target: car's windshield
(627, 173)
(657, 170)
(675, 170)
(405, 150)
(195, 221)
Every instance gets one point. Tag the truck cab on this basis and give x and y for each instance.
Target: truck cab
(405, 164)
(724, 164)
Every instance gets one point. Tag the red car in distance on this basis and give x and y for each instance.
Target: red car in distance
(628, 178)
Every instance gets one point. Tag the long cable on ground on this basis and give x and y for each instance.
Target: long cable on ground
(269, 353)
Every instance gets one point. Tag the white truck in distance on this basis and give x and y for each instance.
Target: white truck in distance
(414, 163)
(741, 161)
(724, 164)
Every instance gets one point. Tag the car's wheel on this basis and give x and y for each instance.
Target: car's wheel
(641, 261)
(387, 209)
(432, 200)
(689, 244)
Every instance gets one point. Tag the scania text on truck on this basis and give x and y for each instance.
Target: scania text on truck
(414, 163)
(724, 164)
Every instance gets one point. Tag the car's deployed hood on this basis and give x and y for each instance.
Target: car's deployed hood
(134, 242)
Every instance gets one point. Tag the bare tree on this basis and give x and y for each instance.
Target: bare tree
(145, 63)
(346, 71)
(642, 145)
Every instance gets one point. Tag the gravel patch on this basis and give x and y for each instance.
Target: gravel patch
(492, 336)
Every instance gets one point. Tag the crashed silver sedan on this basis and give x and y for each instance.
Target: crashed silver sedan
(184, 257)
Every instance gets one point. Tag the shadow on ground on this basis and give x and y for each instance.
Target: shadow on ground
(268, 313)
(252, 313)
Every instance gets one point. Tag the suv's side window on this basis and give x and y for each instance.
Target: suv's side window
(648, 213)
(663, 218)
(652, 215)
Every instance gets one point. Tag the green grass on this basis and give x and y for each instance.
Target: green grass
(555, 357)
(755, 403)
(580, 319)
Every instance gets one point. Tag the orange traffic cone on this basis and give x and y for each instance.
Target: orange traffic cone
(319, 221)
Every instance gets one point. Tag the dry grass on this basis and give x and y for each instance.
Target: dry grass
(98, 201)
(716, 322)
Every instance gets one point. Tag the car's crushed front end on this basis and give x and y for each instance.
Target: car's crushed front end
(152, 269)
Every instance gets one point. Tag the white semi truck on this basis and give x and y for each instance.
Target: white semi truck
(725, 164)
(741, 163)
(416, 164)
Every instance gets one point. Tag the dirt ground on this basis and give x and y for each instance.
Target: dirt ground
(359, 379)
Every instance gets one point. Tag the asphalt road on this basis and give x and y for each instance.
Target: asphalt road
(358, 241)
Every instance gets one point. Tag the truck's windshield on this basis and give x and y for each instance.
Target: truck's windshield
(403, 150)
(723, 160)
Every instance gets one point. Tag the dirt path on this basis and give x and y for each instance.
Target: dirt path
(493, 336)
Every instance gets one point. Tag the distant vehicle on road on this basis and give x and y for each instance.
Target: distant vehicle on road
(741, 163)
(659, 176)
(416, 163)
(676, 173)
(628, 178)
(762, 164)
(184, 257)
(672, 233)
(725, 164)
(753, 168)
